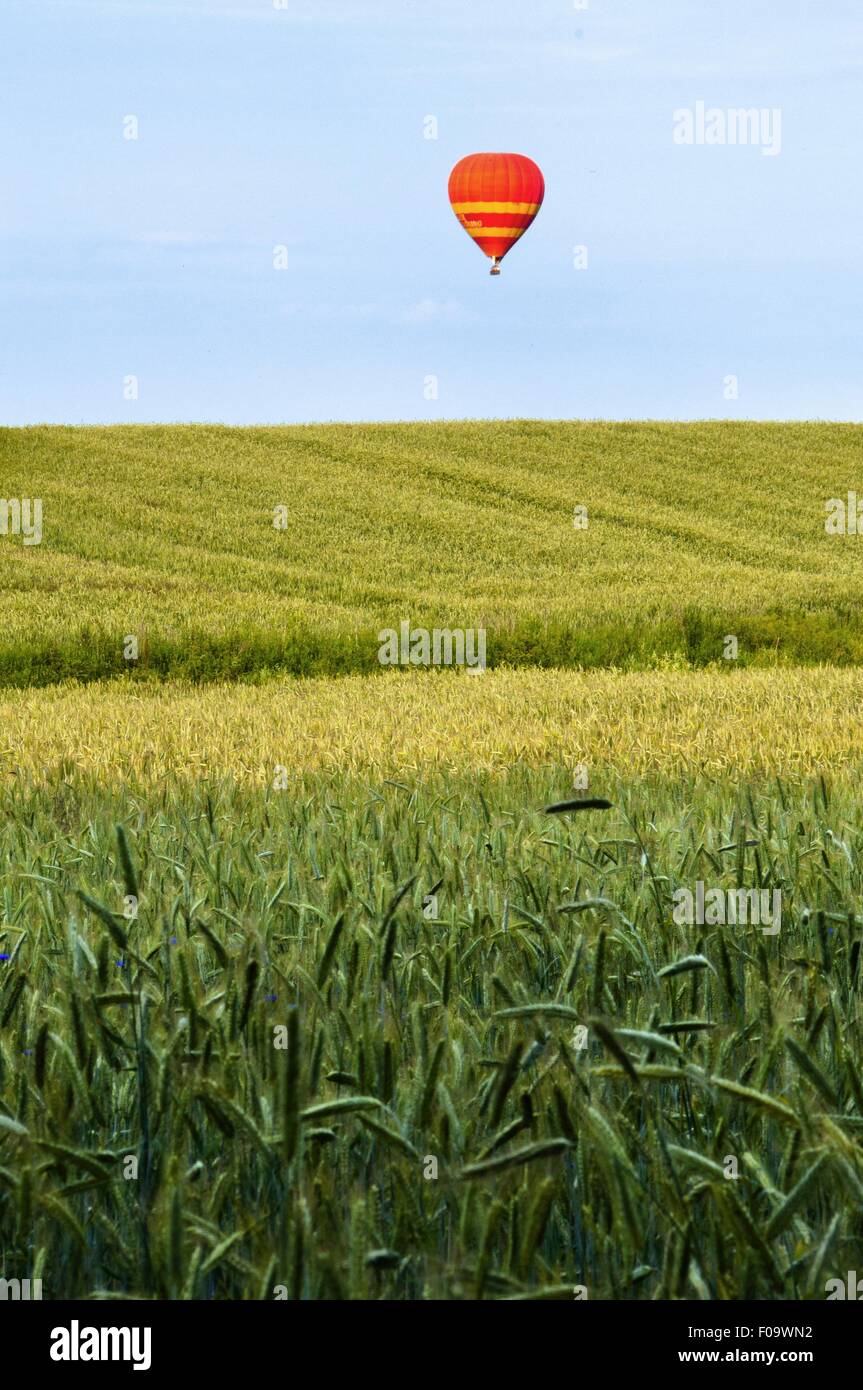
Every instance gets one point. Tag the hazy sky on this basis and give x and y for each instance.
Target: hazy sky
(305, 127)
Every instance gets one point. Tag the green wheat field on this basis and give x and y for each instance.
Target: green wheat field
(305, 990)
(693, 532)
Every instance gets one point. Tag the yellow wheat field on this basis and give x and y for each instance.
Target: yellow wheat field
(793, 722)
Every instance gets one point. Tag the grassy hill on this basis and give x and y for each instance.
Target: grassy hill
(366, 865)
(166, 533)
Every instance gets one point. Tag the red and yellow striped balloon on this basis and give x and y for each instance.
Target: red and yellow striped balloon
(495, 198)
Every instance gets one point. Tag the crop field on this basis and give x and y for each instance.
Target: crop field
(717, 723)
(169, 534)
(340, 1041)
(323, 981)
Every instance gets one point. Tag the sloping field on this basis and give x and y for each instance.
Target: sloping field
(304, 992)
(694, 531)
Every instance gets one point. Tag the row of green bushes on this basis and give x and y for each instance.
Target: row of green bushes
(693, 639)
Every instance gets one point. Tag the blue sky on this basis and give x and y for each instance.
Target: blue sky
(304, 127)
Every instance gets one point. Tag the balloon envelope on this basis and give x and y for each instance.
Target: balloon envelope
(495, 198)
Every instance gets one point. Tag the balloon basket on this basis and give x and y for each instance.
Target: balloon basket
(495, 268)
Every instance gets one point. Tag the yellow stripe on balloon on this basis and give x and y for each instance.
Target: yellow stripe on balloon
(480, 233)
(495, 207)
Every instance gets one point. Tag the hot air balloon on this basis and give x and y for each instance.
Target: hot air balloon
(495, 198)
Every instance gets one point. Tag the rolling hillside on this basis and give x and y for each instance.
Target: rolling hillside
(167, 534)
(377, 1005)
